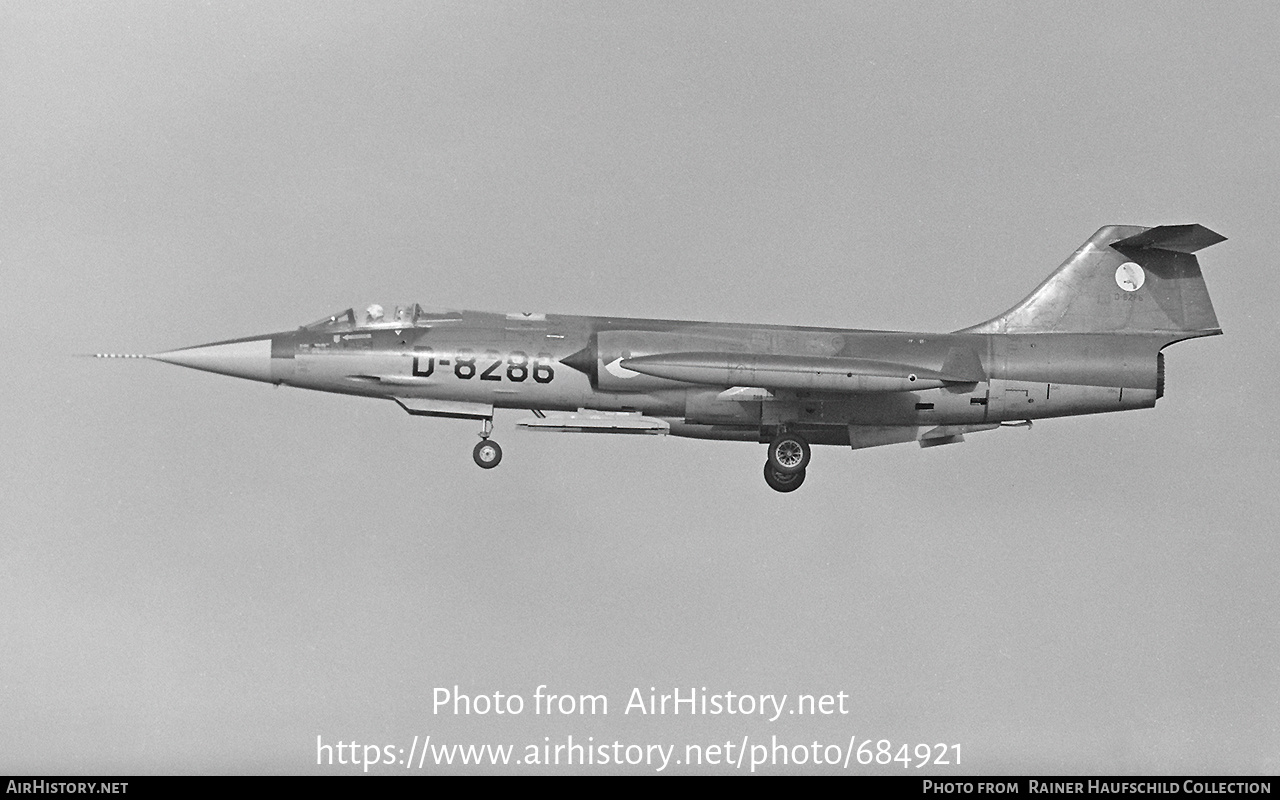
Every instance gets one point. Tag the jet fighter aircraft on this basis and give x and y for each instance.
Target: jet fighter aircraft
(1088, 340)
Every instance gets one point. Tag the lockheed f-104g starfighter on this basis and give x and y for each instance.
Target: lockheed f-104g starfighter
(1088, 340)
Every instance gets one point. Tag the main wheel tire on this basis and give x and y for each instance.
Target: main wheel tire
(789, 453)
(487, 454)
(782, 481)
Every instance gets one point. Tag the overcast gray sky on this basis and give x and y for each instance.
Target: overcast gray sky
(205, 574)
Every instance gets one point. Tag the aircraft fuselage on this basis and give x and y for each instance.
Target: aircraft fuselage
(483, 361)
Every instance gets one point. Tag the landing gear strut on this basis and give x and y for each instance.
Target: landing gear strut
(487, 454)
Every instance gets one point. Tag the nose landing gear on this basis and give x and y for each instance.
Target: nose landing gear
(487, 454)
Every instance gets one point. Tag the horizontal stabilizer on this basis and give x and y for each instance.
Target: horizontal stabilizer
(597, 422)
(1178, 238)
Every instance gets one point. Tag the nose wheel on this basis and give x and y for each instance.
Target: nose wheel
(487, 454)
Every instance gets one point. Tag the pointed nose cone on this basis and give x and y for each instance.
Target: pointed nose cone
(243, 358)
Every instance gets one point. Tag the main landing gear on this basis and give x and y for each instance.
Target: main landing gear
(782, 481)
(788, 456)
(487, 454)
(789, 453)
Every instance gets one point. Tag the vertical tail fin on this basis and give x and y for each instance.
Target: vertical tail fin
(1125, 279)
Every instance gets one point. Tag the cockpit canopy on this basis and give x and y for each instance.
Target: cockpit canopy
(375, 316)
(342, 321)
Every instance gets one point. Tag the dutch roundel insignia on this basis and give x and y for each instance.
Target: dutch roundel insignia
(1130, 277)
